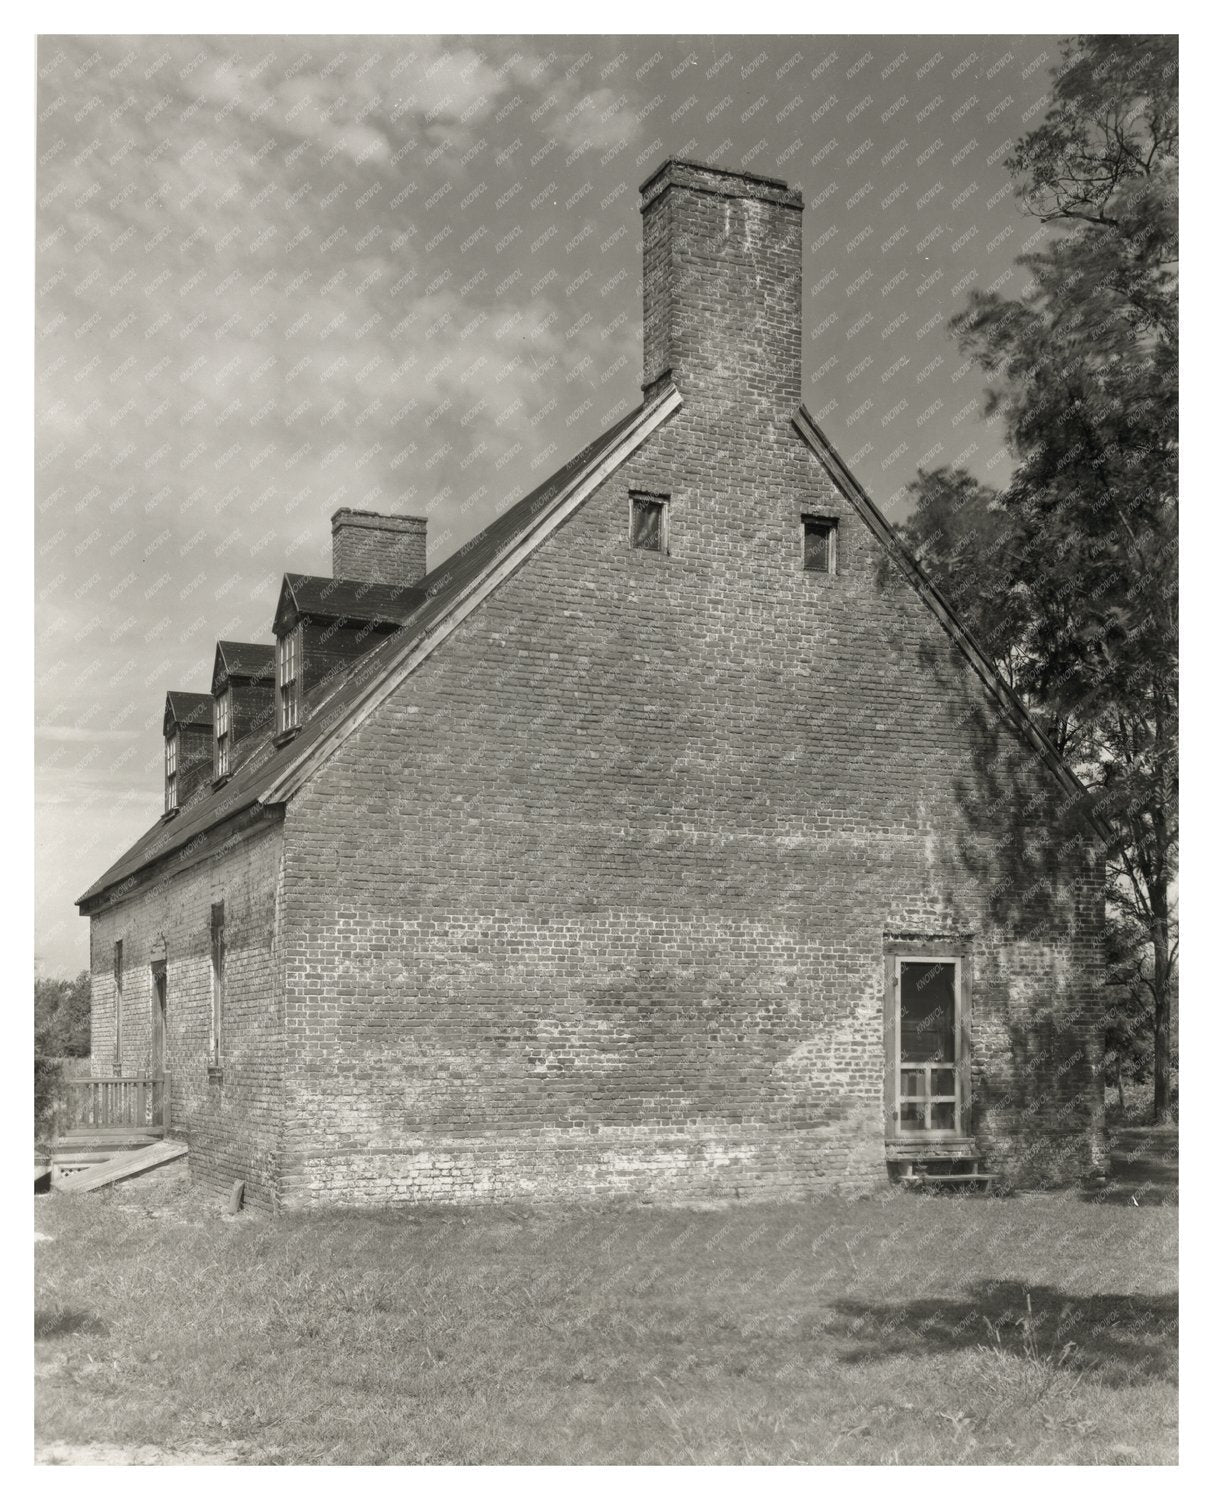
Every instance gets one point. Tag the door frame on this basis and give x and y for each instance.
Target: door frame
(160, 1016)
(925, 951)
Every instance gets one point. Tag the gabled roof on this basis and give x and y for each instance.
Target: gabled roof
(188, 710)
(449, 592)
(1008, 700)
(242, 660)
(308, 594)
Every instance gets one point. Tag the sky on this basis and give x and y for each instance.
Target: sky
(278, 275)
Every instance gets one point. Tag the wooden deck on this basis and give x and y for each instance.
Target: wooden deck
(109, 1103)
(99, 1118)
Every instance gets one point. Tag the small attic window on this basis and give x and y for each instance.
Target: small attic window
(820, 544)
(171, 747)
(650, 523)
(223, 734)
(288, 681)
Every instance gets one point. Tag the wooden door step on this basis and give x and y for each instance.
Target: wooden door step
(926, 1179)
(115, 1139)
(941, 1164)
(123, 1164)
(950, 1174)
(903, 1148)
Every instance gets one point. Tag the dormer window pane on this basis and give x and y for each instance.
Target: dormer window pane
(223, 737)
(288, 681)
(170, 773)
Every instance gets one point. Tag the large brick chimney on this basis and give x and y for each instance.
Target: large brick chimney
(373, 548)
(722, 286)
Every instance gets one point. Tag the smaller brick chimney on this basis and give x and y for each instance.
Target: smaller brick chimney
(373, 548)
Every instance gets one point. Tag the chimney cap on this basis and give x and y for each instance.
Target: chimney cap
(376, 520)
(723, 182)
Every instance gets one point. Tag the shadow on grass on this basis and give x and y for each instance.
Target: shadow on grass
(63, 1322)
(1145, 1169)
(1123, 1340)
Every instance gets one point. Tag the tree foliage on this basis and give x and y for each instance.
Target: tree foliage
(1071, 573)
(61, 1016)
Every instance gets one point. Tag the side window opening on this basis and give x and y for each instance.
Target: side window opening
(118, 977)
(217, 976)
(650, 527)
(820, 544)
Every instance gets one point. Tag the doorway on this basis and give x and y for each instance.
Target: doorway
(929, 1062)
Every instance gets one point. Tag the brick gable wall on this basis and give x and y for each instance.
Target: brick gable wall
(597, 901)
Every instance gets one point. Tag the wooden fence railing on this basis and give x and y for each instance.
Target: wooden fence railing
(111, 1103)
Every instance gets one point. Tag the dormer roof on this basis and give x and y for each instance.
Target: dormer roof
(306, 595)
(188, 711)
(242, 661)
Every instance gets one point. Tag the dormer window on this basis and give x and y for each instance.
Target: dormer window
(288, 681)
(188, 747)
(170, 772)
(223, 734)
(243, 704)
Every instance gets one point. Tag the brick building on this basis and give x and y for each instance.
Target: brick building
(669, 839)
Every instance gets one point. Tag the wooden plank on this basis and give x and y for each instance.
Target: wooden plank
(127, 1164)
(103, 1148)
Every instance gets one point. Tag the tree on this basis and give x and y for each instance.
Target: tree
(1072, 571)
(61, 1016)
(1129, 1014)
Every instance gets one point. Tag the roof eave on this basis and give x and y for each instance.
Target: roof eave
(252, 817)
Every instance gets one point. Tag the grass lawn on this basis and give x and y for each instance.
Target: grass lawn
(879, 1330)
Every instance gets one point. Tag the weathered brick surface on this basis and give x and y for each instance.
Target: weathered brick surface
(598, 900)
(232, 1124)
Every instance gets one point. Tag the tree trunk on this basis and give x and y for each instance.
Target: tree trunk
(1161, 984)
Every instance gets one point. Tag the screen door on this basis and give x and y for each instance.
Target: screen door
(928, 1046)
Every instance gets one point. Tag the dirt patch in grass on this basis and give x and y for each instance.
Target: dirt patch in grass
(879, 1330)
(146, 1453)
(59, 1322)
